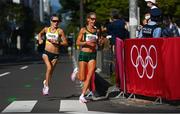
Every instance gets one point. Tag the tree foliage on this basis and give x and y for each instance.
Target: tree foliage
(104, 7)
(170, 7)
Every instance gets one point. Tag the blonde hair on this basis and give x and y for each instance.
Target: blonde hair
(89, 15)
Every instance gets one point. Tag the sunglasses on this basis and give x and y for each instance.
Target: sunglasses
(93, 19)
(55, 21)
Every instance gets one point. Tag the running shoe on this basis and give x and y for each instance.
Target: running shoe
(90, 94)
(73, 75)
(45, 89)
(81, 84)
(82, 99)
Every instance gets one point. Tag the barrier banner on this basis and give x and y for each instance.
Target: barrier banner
(144, 66)
(119, 65)
(171, 62)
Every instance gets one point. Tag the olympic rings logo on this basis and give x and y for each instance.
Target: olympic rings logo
(148, 60)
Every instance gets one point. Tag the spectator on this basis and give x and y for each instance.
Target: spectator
(178, 24)
(146, 18)
(144, 22)
(152, 28)
(151, 4)
(170, 29)
(116, 28)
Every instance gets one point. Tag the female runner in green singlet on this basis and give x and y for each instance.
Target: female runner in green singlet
(87, 40)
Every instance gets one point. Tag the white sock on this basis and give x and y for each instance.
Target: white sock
(82, 95)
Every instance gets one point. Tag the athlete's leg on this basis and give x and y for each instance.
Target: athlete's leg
(91, 70)
(48, 69)
(53, 64)
(82, 77)
(82, 70)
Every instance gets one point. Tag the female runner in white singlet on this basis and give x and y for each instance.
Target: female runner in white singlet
(55, 37)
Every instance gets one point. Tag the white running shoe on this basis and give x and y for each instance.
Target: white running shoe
(89, 94)
(82, 99)
(73, 75)
(45, 89)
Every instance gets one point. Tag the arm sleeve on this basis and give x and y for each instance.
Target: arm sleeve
(157, 32)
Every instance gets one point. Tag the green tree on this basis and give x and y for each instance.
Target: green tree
(170, 7)
(103, 8)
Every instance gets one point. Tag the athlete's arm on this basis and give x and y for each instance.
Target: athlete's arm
(63, 38)
(41, 33)
(79, 41)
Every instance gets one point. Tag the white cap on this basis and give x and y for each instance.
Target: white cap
(153, 1)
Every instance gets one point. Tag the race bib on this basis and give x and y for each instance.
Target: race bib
(91, 37)
(51, 36)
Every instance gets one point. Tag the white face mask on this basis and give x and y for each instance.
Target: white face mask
(147, 17)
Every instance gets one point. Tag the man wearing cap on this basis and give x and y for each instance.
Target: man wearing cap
(151, 4)
(152, 29)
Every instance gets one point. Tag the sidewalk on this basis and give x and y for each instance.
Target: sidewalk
(7, 59)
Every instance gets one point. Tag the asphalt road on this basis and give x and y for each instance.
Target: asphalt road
(21, 86)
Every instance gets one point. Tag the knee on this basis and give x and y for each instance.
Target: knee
(49, 68)
(81, 77)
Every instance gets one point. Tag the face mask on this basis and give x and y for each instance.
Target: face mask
(147, 17)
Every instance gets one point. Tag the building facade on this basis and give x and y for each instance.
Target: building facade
(41, 8)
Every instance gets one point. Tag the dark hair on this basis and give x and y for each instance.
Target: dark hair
(55, 15)
(156, 15)
(115, 14)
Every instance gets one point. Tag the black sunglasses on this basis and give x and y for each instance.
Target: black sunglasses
(55, 21)
(93, 18)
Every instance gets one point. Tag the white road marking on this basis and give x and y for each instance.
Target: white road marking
(3, 74)
(72, 106)
(20, 106)
(24, 67)
(92, 112)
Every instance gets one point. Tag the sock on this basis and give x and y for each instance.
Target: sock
(82, 95)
